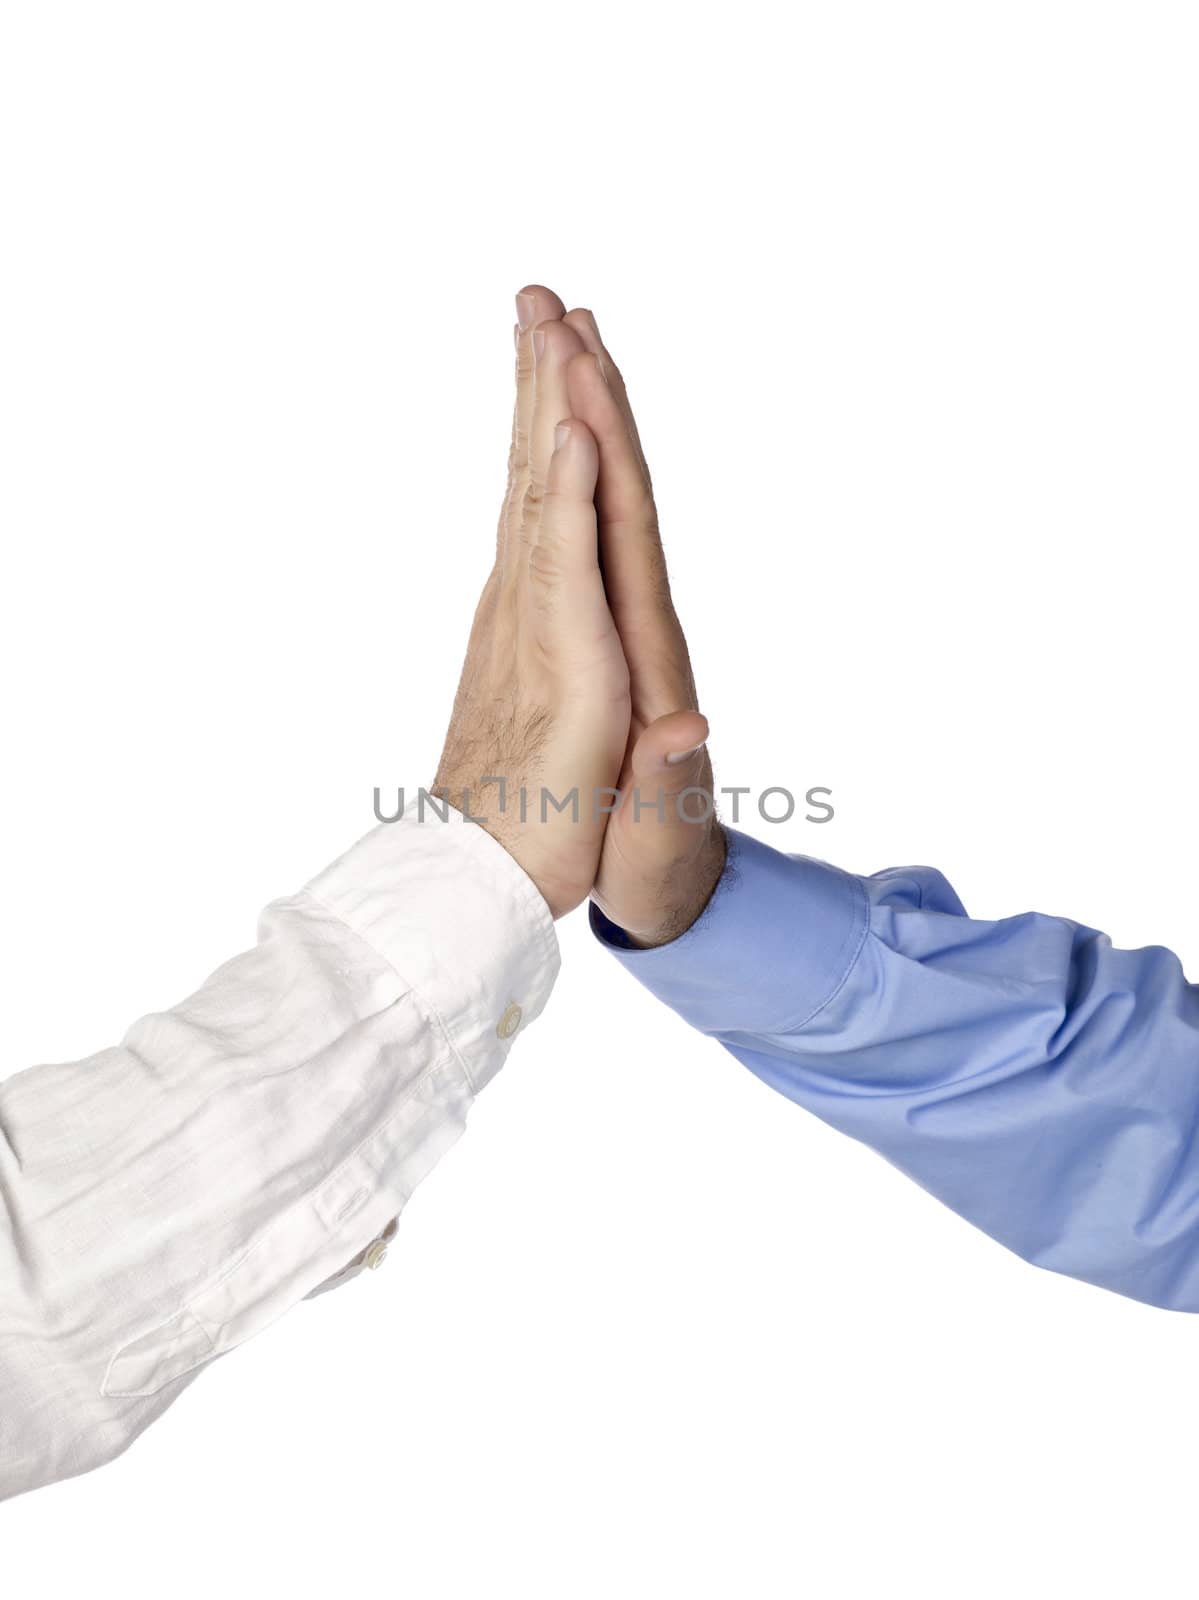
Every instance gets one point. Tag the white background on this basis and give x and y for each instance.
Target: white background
(905, 295)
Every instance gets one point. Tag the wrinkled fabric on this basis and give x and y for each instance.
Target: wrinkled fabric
(1041, 1082)
(168, 1198)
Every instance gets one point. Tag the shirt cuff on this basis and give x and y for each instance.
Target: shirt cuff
(459, 919)
(775, 942)
(465, 927)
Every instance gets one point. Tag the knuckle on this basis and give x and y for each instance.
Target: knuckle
(533, 496)
(545, 564)
(613, 373)
(644, 508)
(518, 483)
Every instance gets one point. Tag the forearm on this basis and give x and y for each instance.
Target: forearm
(1042, 1083)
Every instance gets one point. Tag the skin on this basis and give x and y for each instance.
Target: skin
(577, 673)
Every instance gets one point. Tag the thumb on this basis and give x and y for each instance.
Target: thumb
(669, 759)
(665, 849)
(673, 746)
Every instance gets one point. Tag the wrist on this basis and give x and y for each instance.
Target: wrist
(686, 892)
(542, 851)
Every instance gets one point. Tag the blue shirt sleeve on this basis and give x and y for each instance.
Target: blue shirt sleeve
(1042, 1083)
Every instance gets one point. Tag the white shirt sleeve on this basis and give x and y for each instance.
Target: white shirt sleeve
(167, 1199)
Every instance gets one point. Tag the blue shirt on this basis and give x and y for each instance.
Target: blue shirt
(1042, 1083)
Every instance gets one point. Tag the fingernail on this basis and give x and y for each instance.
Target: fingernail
(561, 435)
(601, 368)
(525, 306)
(677, 756)
(539, 342)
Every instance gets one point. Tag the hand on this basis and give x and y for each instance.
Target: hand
(543, 701)
(661, 857)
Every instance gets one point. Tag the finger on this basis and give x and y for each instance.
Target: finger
(553, 346)
(569, 610)
(584, 324)
(631, 554)
(534, 303)
(563, 564)
(624, 498)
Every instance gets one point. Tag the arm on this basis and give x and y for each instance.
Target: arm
(1042, 1083)
(169, 1198)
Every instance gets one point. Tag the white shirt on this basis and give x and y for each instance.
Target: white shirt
(167, 1199)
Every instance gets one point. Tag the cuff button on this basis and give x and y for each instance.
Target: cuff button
(509, 1022)
(376, 1255)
